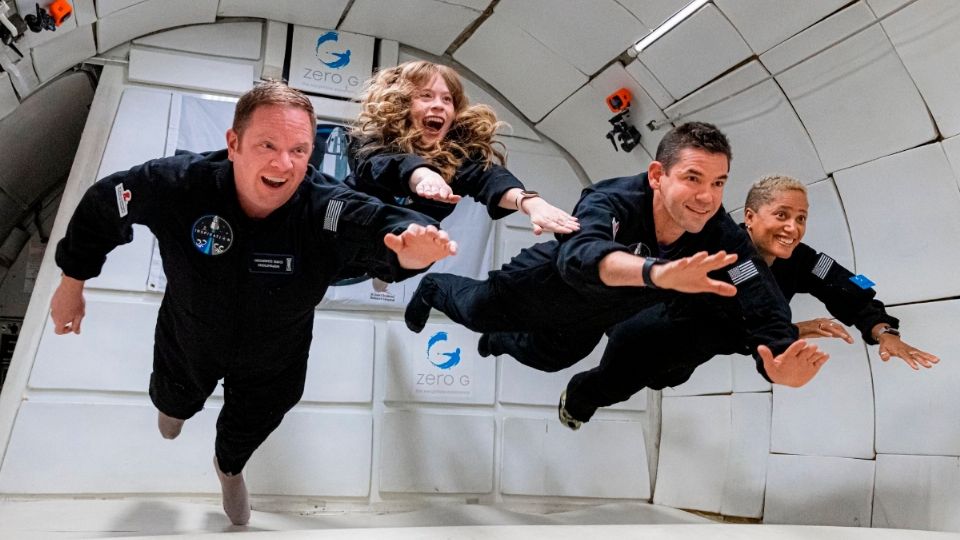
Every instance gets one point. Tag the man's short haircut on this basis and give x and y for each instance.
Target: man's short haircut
(270, 93)
(767, 188)
(697, 135)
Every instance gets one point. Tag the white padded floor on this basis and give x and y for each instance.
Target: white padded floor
(37, 519)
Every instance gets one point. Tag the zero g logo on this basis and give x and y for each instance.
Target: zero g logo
(333, 59)
(440, 355)
(212, 235)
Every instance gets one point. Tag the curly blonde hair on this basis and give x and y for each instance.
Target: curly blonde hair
(384, 123)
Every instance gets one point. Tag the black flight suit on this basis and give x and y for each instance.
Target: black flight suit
(548, 308)
(386, 176)
(241, 293)
(655, 348)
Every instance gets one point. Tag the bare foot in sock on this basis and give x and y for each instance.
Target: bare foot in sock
(169, 426)
(236, 502)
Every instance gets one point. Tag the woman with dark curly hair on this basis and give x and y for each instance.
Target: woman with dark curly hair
(419, 143)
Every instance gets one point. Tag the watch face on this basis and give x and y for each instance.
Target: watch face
(889, 330)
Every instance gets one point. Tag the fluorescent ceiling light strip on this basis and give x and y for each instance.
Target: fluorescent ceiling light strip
(668, 25)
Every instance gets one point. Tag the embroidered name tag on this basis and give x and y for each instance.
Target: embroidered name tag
(269, 263)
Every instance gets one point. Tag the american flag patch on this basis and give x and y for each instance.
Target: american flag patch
(823, 266)
(332, 218)
(743, 272)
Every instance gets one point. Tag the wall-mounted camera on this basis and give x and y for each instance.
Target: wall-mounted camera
(623, 135)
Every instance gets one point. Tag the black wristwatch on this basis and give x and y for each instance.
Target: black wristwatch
(648, 264)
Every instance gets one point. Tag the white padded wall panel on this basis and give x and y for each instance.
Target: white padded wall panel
(106, 7)
(609, 457)
(924, 35)
(139, 131)
(923, 185)
(274, 50)
(765, 23)
(527, 386)
(917, 492)
(764, 131)
(85, 11)
(432, 453)
(340, 368)
(438, 365)
(435, 26)
(827, 232)
(316, 13)
(150, 16)
(231, 39)
(650, 84)
(832, 415)
(580, 125)
(694, 452)
(69, 49)
(746, 472)
(532, 77)
(612, 29)
(917, 411)
(951, 147)
(653, 12)
(315, 453)
(188, 71)
(829, 491)
(707, 31)
(8, 98)
(113, 352)
(746, 378)
(885, 7)
(113, 448)
(887, 113)
(128, 266)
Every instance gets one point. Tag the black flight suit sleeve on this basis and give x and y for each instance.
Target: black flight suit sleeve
(97, 225)
(578, 260)
(830, 283)
(360, 225)
(486, 185)
(765, 311)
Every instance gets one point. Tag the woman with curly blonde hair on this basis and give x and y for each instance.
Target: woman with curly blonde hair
(418, 142)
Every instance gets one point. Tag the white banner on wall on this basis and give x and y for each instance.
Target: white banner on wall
(330, 62)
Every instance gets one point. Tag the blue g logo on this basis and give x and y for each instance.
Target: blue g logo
(340, 58)
(445, 359)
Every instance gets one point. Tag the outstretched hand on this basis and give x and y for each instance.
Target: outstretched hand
(428, 184)
(822, 327)
(419, 247)
(795, 366)
(891, 346)
(545, 217)
(689, 274)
